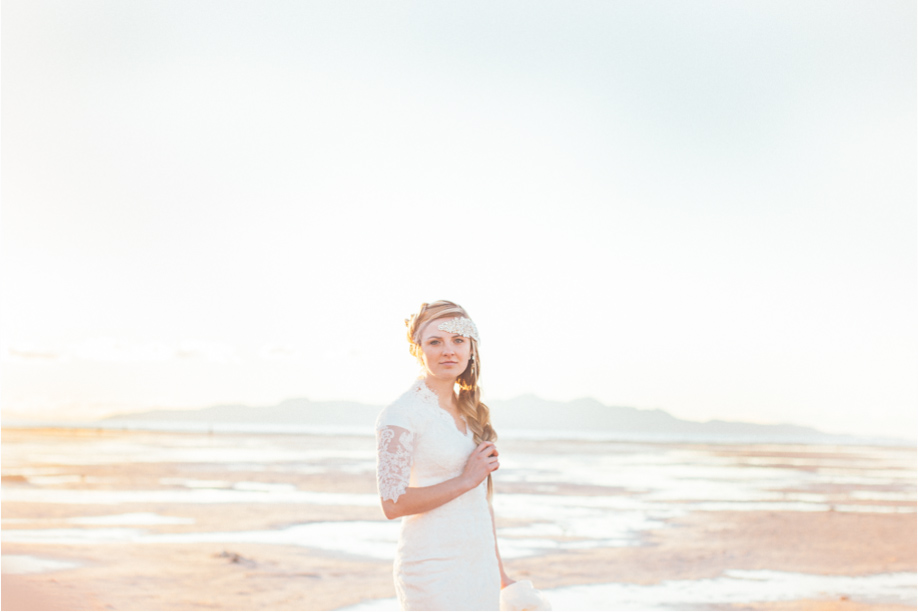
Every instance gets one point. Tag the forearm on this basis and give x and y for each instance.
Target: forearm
(424, 499)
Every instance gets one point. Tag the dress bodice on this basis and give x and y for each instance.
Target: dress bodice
(415, 427)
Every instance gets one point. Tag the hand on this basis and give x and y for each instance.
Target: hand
(481, 462)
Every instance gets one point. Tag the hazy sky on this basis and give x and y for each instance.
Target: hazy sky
(704, 207)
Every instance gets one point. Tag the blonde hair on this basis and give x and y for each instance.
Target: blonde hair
(477, 415)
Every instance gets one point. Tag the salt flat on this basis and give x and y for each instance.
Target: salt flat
(98, 519)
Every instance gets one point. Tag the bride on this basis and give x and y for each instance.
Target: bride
(435, 456)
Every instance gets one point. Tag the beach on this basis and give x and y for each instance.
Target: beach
(136, 520)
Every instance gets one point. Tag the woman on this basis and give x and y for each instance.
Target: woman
(436, 453)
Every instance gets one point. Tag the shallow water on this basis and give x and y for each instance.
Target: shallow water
(29, 564)
(622, 491)
(373, 539)
(646, 485)
(196, 495)
(734, 586)
(174, 449)
(648, 479)
(131, 518)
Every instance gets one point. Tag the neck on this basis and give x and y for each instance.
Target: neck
(443, 387)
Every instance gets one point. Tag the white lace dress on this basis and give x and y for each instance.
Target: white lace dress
(446, 557)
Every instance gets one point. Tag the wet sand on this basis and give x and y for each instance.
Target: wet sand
(129, 511)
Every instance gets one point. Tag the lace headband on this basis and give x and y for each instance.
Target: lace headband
(462, 326)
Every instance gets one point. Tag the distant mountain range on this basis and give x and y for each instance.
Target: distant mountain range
(528, 413)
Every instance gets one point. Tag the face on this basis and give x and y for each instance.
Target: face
(445, 354)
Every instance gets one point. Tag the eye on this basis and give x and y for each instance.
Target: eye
(434, 342)
(459, 340)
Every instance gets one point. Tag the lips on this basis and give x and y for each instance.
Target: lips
(448, 363)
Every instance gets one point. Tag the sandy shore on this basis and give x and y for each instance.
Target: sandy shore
(124, 566)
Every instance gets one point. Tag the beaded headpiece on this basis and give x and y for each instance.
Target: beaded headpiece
(462, 326)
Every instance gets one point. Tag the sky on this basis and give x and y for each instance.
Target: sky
(708, 208)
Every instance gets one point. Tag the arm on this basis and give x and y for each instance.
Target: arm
(505, 580)
(395, 456)
(423, 499)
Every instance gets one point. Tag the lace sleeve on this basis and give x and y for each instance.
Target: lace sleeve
(393, 461)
